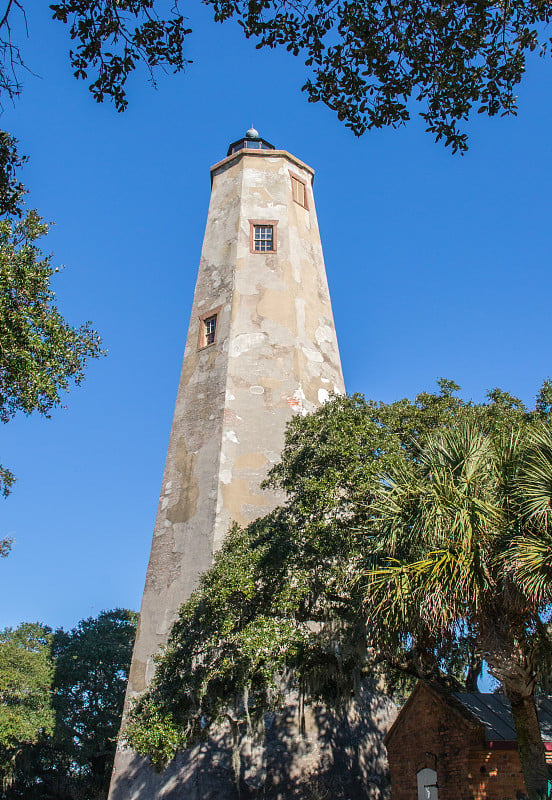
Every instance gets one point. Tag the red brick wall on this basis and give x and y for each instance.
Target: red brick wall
(430, 734)
(495, 775)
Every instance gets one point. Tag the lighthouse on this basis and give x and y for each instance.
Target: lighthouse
(261, 347)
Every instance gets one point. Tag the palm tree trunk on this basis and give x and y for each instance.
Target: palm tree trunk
(530, 744)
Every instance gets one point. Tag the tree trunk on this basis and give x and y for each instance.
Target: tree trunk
(530, 744)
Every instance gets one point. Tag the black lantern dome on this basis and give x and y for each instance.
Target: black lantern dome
(251, 141)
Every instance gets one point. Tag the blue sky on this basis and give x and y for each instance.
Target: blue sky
(438, 265)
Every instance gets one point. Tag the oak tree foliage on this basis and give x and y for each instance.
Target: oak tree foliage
(320, 595)
(112, 37)
(26, 674)
(66, 750)
(41, 354)
(109, 39)
(371, 61)
(92, 663)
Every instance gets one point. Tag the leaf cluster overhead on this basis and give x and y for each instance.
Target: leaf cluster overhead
(373, 62)
(113, 37)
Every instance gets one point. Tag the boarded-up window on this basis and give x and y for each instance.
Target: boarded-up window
(299, 191)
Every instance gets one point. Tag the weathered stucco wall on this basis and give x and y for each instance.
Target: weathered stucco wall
(281, 350)
(275, 355)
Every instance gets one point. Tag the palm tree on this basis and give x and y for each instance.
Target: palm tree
(462, 544)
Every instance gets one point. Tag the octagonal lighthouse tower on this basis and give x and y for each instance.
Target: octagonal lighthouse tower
(261, 347)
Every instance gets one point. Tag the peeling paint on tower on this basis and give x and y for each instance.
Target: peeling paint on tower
(261, 347)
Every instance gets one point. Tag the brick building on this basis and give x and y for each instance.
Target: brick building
(458, 746)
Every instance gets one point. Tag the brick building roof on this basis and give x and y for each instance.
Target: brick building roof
(494, 712)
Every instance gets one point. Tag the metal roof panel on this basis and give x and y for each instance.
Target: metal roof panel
(494, 712)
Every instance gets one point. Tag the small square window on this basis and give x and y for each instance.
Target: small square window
(263, 236)
(263, 239)
(299, 191)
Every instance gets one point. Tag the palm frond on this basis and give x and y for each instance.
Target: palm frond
(534, 484)
(529, 560)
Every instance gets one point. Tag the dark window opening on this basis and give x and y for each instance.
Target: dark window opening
(210, 324)
(263, 239)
